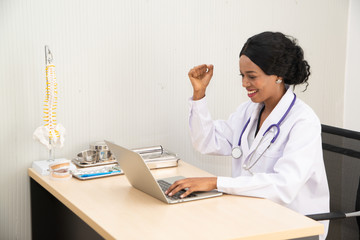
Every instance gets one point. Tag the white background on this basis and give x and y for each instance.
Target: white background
(122, 72)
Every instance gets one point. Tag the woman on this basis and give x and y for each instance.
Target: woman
(290, 170)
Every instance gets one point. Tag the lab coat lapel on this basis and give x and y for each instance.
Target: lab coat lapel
(273, 118)
(245, 146)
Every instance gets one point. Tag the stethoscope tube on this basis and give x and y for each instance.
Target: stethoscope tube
(236, 151)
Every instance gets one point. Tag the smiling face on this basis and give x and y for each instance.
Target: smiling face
(260, 87)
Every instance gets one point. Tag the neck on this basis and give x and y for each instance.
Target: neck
(271, 103)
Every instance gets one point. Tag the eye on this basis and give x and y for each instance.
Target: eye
(241, 75)
(252, 77)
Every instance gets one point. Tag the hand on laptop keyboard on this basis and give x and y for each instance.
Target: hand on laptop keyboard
(190, 185)
(165, 185)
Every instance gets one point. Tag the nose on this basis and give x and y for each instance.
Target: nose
(245, 82)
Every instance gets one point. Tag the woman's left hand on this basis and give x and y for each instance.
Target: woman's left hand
(192, 185)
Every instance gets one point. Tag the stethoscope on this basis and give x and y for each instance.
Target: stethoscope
(237, 152)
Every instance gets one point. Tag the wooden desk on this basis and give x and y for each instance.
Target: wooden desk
(115, 210)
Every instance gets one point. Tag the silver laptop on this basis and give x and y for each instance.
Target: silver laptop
(140, 177)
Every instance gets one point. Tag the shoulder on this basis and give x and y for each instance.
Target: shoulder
(246, 108)
(242, 113)
(305, 116)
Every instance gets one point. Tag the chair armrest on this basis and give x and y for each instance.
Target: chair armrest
(327, 216)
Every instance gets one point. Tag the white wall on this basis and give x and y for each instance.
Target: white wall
(122, 73)
(352, 77)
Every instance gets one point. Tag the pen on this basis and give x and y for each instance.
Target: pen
(98, 174)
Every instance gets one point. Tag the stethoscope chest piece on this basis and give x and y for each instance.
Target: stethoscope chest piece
(236, 152)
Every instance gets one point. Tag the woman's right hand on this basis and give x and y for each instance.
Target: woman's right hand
(200, 77)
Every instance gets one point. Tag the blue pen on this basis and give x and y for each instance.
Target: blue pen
(98, 174)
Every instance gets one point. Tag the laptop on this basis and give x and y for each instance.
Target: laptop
(140, 177)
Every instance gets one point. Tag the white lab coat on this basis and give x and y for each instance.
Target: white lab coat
(291, 172)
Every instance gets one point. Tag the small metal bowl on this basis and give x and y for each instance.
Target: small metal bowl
(103, 155)
(87, 156)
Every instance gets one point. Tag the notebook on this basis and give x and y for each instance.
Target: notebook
(141, 178)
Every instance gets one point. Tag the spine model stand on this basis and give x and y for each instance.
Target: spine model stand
(50, 103)
(51, 134)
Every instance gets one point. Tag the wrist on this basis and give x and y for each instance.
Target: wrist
(197, 95)
(215, 182)
(212, 183)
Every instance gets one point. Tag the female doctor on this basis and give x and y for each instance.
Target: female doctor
(274, 138)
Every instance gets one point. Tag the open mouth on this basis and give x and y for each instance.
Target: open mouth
(252, 93)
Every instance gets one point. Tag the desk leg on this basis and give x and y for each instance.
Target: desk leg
(51, 219)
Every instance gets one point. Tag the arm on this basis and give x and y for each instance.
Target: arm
(203, 131)
(192, 185)
(301, 160)
(208, 136)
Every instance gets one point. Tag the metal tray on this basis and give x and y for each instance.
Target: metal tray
(97, 172)
(101, 163)
(154, 160)
(160, 160)
(162, 163)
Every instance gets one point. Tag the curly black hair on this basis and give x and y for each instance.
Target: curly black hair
(278, 54)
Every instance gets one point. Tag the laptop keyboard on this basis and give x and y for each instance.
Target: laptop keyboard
(165, 185)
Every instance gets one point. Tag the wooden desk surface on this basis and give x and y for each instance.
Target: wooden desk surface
(116, 210)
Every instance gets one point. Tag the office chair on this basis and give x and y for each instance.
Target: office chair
(341, 149)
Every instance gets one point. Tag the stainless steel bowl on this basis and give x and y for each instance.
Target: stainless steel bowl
(102, 151)
(87, 156)
(103, 155)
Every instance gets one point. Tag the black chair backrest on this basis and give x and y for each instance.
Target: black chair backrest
(341, 149)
